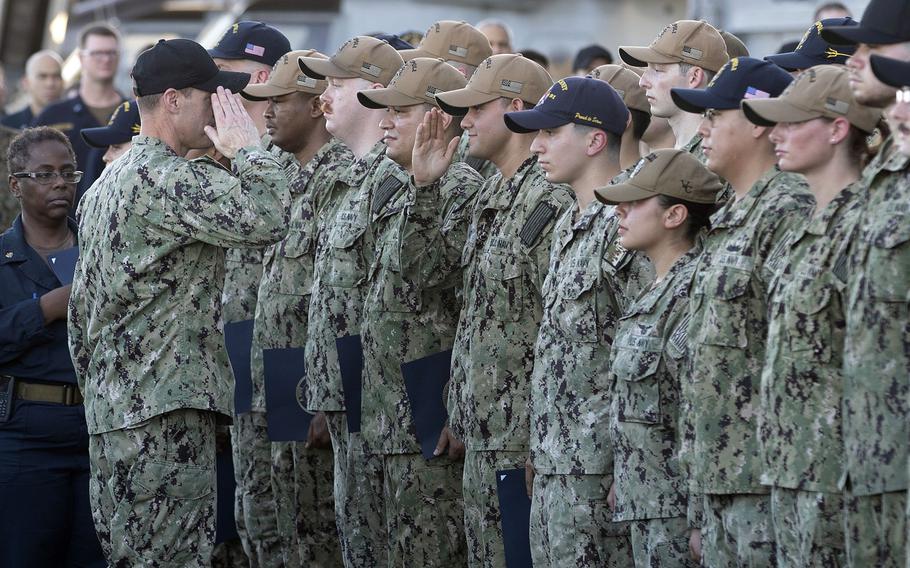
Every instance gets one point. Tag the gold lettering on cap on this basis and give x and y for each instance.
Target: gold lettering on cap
(563, 85)
(587, 118)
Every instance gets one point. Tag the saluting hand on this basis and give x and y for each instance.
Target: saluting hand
(432, 153)
(234, 129)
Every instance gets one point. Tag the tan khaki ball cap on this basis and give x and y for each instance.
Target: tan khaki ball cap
(669, 171)
(625, 83)
(820, 91)
(416, 82)
(287, 78)
(452, 41)
(506, 75)
(735, 46)
(362, 56)
(686, 41)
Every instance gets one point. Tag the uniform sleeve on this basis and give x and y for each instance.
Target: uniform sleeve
(249, 209)
(780, 230)
(75, 322)
(562, 200)
(21, 328)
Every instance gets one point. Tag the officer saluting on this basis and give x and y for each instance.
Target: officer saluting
(145, 332)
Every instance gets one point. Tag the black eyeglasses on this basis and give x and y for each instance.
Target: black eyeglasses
(47, 178)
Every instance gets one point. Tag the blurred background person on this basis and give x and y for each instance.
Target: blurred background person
(499, 34)
(590, 57)
(43, 82)
(117, 137)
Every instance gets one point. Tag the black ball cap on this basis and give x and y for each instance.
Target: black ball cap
(179, 64)
(884, 22)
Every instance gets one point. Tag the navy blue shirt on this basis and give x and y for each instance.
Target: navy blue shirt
(28, 348)
(19, 120)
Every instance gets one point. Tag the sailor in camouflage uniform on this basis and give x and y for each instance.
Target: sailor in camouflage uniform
(590, 280)
(338, 292)
(729, 313)
(145, 316)
(411, 310)
(818, 126)
(662, 209)
(504, 263)
(302, 473)
(877, 336)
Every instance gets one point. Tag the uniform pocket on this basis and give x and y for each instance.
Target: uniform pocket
(637, 385)
(809, 328)
(890, 261)
(575, 310)
(723, 299)
(346, 266)
(295, 253)
(504, 286)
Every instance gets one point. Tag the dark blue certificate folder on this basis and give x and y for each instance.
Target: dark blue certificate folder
(350, 360)
(515, 511)
(284, 370)
(63, 263)
(238, 340)
(424, 380)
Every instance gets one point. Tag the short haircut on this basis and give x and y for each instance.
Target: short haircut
(500, 24)
(98, 29)
(614, 141)
(150, 102)
(830, 6)
(33, 58)
(20, 148)
(535, 56)
(641, 120)
(685, 67)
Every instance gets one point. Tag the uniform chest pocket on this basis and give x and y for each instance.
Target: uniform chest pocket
(504, 286)
(724, 298)
(575, 308)
(810, 322)
(345, 262)
(296, 256)
(889, 261)
(635, 364)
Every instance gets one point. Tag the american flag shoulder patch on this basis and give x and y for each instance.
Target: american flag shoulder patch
(542, 214)
(385, 191)
(680, 337)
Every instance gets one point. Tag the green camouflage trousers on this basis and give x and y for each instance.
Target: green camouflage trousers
(572, 524)
(359, 509)
(254, 504)
(808, 528)
(304, 505)
(152, 491)
(424, 511)
(661, 543)
(482, 521)
(738, 531)
(876, 529)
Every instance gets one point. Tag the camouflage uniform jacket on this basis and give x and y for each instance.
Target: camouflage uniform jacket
(411, 310)
(802, 380)
(505, 262)
(877, 356)
(340, 271)
(284, 292)
(9, 205)
(590, 282)
(650, 360)
(729, 329)
(145, 312)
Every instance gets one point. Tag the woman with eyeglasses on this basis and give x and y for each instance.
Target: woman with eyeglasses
(45, 519)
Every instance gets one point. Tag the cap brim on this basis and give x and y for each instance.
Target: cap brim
(457, 102)
(216, 53)
(321, 68)
(262, 91)
(621, 193)
(409, 54)
(641, 56)
(792, 61)
(769, 112)
(525, 121)
(698, 100)
(891, 72)
(230, 80)
(385, 98)
(849, 35)
(104, 136)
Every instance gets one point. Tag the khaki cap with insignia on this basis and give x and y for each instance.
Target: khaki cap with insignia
(686, 41)
(363, 56)
(416, 82)
(820, 91)
(508, 75)
(452, 41)
(625, 83)
(671, 172)
(286, 78)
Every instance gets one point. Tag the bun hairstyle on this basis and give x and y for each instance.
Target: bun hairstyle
(699, 217)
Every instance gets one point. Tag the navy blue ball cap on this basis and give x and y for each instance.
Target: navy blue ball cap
(814, 50)
(123, 125)
(254, 41)
(579, 100)
(739, 79)
(893, 72)
(181, 64)
(884, 22)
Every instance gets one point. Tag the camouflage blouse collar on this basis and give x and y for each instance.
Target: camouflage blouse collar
(361, 167)
(590, 214)
(153, 144)
(820, 224)
(671, 283)
(507, 189)
(736, 211)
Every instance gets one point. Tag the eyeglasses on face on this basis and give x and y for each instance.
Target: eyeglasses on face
(102, 53)
(47, 178)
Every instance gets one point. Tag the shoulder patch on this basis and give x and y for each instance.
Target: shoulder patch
(542, 214)
(840, 266)
(680, 337)
(616, 254)
(385, 191)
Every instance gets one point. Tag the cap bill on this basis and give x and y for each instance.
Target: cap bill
(322, 68)
(698, 100)
(221, 54)
(622, 193)
(641, 56)
(849, 35)
(458, 102)
(792, 61)
(409, 54)
(385, 98)
(262, 91)
(769, 112)
(525, 121)
(230, 80)
(104, 136)
(891, 71)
